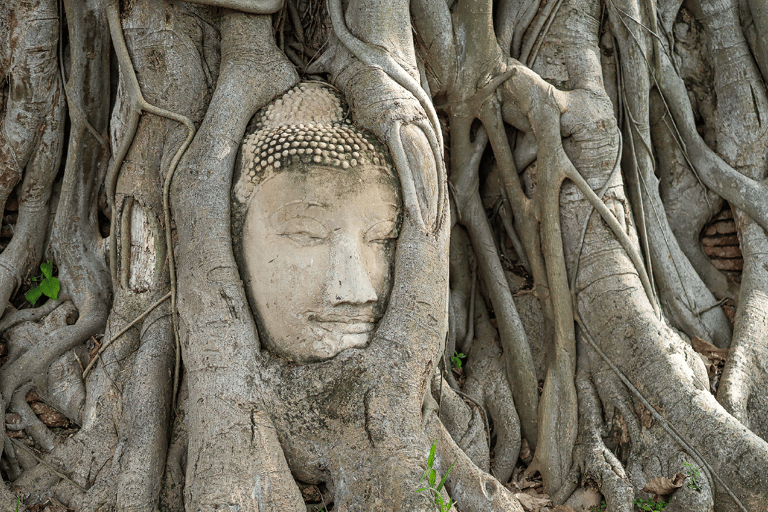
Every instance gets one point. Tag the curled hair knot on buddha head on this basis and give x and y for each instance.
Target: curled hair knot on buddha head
(308, 126)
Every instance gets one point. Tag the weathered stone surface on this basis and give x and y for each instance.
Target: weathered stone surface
(723, 227)
(710, 241)
(720, 252)
(733, 264)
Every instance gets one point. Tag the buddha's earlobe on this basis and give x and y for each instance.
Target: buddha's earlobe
(423, 192)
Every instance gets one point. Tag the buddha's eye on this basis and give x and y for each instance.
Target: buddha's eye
(304, 231)
(381, 232)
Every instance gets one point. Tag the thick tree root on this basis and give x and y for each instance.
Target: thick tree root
(472, 489)
(253, 72)
(741, 93)
(486, 385)
(31, 135)
(595, 460)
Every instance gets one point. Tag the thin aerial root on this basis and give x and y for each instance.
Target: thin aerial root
(31, 315)
(617, 230)
(616, 169)
(123, 331)
(249, 6)
(52, 469)
(671, 430)
(139, 103)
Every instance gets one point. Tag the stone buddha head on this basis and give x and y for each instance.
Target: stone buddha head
(316, 213)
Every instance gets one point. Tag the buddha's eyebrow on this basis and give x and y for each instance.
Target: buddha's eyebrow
(299, 204)
(295, 209)
(393, 207)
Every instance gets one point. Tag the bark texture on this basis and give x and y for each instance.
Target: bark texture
(580, 288)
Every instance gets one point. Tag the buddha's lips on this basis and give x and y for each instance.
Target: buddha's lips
(345, 323)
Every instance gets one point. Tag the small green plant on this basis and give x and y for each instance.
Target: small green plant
(601, 507)
(456, 359)
(430, 475)
(650, 505)
(49, 285)
(693, 476)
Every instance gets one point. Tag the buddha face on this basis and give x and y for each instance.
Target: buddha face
(318, 246)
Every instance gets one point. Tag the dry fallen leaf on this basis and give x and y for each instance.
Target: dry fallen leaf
(521, 482)
(709, 350)
(533, 503)
(662, 485)
(644, 415)
(525, 452)
(50, 417)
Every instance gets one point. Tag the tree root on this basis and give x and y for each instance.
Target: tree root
(253, 72)
(472, 489)
(595, 461)
(518, 360)
(36, 360)
(31, 136)
(688, 204)
(30, 421)
(15, 318)
(466, 424)
(485, 385)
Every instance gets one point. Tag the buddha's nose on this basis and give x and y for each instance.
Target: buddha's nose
(349, 280)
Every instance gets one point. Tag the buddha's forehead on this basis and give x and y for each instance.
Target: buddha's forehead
(362, 189)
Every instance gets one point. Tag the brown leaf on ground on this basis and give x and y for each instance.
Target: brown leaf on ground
(709, 350)
(663, 486)
(533, 503)
(311, 494)
(525, 452)
(644, 415)
(520, 482)
(50, 417)
(32, 396)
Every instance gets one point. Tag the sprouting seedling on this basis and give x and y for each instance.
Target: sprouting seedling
(456, 359)
(431, 476)
(649, 505)
(693, 476)
(49, 285)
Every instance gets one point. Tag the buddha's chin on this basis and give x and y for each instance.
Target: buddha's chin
(323, 344)
(332, 344)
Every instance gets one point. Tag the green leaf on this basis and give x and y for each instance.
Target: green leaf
(431, 458)
(33, 294)
(442, 482)
(450, 504)
(47, 269)
(50, 287)
(432, 477)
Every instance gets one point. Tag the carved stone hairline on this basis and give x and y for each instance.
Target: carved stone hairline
(307, 125)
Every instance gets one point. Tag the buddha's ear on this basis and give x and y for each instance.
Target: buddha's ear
(420, 173)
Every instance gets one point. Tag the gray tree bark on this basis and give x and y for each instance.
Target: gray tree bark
(565, 170)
